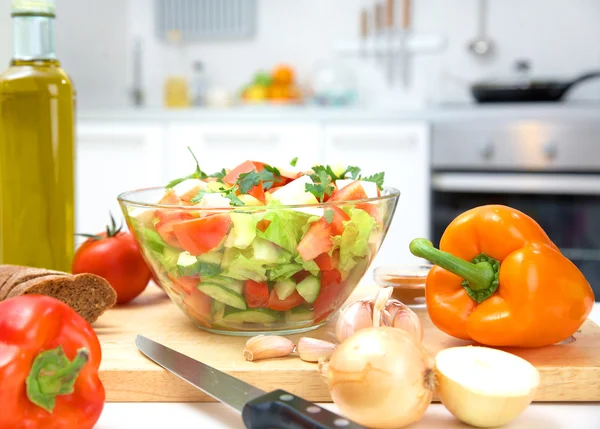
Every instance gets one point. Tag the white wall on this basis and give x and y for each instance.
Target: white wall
(94, 41)
(5, 34)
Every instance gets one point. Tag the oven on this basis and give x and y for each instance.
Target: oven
(548, 169)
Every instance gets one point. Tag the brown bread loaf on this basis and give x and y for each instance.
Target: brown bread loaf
(88, 294)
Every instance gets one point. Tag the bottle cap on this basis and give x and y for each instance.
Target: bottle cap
(45, 7)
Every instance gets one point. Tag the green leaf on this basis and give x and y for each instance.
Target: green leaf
(377, 178)
(201, 193)
(219, 174)
(208, 269)
(235, 201)
(329, 215)
(294, 161)
(198, 174)
(268, 176)
(354, 172)
(354, 242)
(322, 182)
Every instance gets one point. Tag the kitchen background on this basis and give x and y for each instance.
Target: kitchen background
(422, 127)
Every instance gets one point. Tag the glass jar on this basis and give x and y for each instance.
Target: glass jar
(408, 282)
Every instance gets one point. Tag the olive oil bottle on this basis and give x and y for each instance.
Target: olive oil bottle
(37, 146)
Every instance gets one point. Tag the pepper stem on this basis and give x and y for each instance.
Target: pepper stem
(481, 277)
(53, 374)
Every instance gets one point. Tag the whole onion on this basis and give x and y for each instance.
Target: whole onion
(381, 377)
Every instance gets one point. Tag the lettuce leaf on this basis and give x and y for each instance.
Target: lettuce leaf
(354, 241)
(285, 229)
(244, 229)
(283, 272)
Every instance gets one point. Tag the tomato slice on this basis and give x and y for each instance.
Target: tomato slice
(258, 192)
(169, 198)
(326, 262)
(290, 302)
(256, 294)
(244, 167)
(263, 224)
(351, 192)
(185, 284)
(300, 275)
(339, 217)
(164, 227)
(316, 241)
(201, 235)
(199, 306)
(329, 295)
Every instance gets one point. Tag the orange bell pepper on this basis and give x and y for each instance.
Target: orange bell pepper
(499, 280)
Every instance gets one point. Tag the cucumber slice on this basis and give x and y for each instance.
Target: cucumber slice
(299, 314)
(309, 288)
(221, 293)
(254, 315)
(218, 310)
(228, 282)
(284, 288)
(189, 265)
(211, 257)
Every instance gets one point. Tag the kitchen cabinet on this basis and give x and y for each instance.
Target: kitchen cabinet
(402, 151)
(228, 144)
(112, 158)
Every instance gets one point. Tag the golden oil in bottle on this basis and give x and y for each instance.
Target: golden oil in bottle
(37, 146)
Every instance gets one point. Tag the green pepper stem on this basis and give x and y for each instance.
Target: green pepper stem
(53, 374)
(480, 276)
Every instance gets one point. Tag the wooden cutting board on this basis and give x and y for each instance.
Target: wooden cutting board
(569, 372)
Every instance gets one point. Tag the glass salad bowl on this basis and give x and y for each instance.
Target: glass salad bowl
(244, 270)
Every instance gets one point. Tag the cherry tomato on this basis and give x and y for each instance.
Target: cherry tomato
(115, 256)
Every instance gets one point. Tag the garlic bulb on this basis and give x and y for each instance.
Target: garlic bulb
(398, 315)
(380, 311)
(356, 316)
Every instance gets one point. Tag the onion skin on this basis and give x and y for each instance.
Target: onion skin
(381, 377)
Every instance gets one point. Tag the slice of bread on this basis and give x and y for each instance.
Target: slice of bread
(6, 271)
(88, 294)
(23, 275)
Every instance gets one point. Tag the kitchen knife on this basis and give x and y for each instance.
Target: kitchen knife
(259, 409)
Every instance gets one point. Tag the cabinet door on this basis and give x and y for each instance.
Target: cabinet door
(225, 145)
(113, 158)
(402, 152)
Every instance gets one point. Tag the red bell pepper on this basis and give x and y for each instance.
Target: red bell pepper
(49, 360)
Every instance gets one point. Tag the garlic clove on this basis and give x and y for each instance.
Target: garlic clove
(267, 346)
(383, 295)
(398, 315)
(312, 349)
(357, 316)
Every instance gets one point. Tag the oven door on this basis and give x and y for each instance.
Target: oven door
(567, 206)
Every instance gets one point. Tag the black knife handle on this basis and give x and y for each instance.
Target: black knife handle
(282, 410)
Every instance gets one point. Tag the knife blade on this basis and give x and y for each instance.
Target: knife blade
(259, 409)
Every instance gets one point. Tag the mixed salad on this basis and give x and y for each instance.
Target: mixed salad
(249, 261)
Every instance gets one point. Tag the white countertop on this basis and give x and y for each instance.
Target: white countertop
(567, 111)
(218, 416)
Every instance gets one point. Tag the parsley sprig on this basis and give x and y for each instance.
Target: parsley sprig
(245, 182)
(323, 177)
(198, 174)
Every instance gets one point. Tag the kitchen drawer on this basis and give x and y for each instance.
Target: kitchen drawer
(517, 145)
(229, 144)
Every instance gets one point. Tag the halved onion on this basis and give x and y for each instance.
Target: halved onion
(485, 387)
